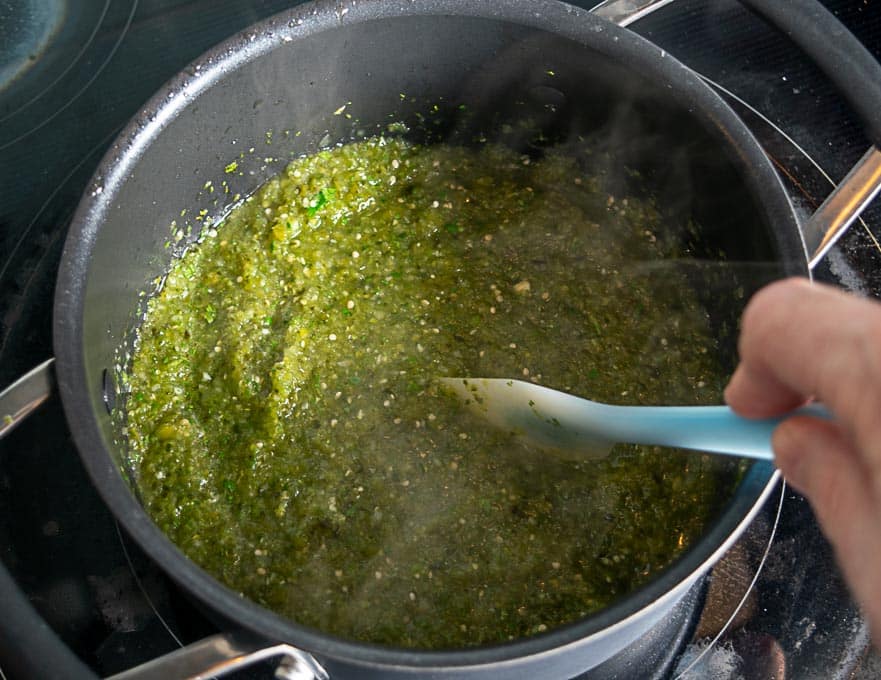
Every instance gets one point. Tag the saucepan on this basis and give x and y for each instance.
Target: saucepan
(324, 72)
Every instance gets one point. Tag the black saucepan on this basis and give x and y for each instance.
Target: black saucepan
(279, 89)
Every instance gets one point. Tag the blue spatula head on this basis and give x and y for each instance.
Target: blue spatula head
(578, 428)
(540, 417)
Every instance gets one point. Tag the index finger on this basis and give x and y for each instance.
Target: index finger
(800, 340)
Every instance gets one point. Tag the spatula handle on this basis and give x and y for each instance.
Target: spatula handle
(705, 428)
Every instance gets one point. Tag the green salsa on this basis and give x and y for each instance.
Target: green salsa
(289, 433)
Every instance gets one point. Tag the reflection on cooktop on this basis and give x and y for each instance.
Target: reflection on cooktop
(26, 28)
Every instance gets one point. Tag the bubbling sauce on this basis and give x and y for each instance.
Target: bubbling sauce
(289, 433)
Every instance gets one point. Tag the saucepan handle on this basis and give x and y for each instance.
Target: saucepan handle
(23, 396)
(850, 67)
(843, 206)
(220, 654)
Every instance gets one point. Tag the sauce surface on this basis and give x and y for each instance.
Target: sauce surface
(290, 436)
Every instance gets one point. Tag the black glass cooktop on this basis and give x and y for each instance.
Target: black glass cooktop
(73, 73)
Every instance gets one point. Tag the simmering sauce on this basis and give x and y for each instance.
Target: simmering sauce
(289, 433)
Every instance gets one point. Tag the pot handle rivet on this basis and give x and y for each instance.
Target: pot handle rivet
(108, 390)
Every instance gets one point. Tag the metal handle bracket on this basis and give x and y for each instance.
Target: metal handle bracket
(625, 12)
(831, 220)
(223, 653)
(23, 396)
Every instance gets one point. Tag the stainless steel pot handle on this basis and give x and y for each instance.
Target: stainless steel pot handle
(221, 654)
(211, 657)
(23, 396)
(853, 70)
(625, 12)
(833, 218)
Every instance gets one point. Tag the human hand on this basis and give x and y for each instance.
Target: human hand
(801, 340)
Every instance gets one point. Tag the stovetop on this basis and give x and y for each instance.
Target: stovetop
(72, 74)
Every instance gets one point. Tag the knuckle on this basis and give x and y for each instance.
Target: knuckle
(766, 316)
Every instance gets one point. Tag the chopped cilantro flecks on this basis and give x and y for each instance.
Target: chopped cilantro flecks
(320, 200)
